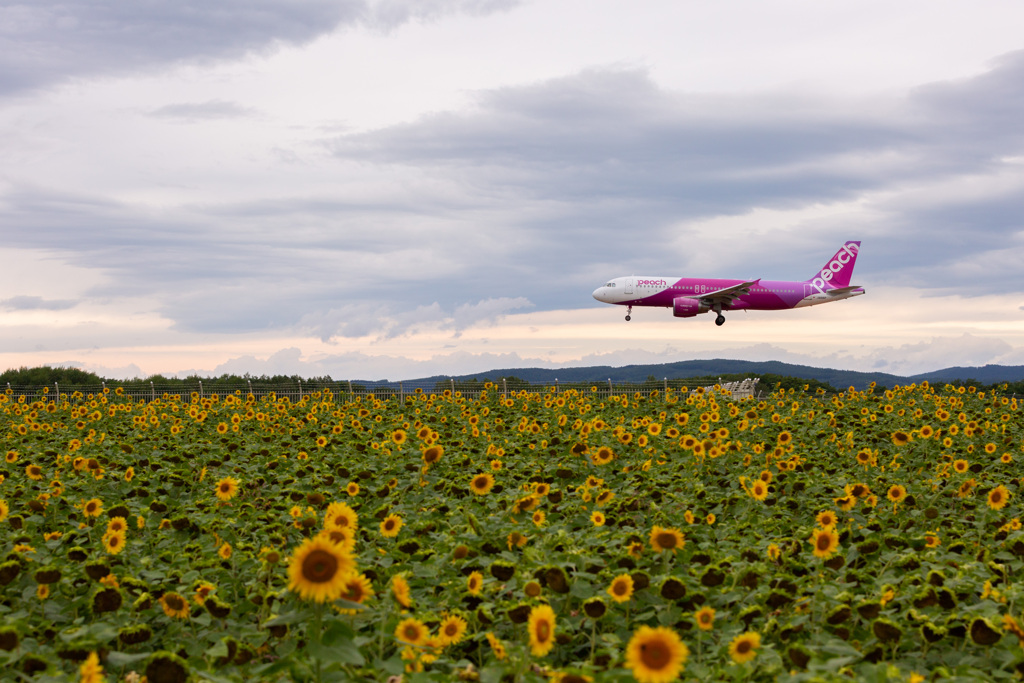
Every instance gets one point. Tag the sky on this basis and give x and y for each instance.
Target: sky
(393, 189)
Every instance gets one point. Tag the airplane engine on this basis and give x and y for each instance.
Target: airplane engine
(685, 307)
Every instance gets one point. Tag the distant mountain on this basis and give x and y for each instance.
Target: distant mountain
(841, 379)
(989, 374)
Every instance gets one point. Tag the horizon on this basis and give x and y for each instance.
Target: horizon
(381, 188)
(485, 374)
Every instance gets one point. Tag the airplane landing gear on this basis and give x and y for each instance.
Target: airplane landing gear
(628, 311)
(720, 320)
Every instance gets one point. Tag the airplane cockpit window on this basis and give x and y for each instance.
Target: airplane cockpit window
(610, 284)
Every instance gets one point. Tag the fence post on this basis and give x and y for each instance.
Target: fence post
(249, 382)
(556, 385)
(57, 387)
(666, 390)
(401, 393)
(611, 391)
(504, 388)
(201, 397)
(152, 392)
(453, 387)
(351, 396)
(300, 388)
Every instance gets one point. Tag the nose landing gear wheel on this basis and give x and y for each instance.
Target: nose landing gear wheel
(720, 320)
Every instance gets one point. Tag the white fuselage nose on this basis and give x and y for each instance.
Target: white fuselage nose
(610, 292)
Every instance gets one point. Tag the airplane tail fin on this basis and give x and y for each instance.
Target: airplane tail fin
(839, 269)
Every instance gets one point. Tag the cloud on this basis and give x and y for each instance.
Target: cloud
(542, 191)
(36, 303)
(44, 42)
(211, 110)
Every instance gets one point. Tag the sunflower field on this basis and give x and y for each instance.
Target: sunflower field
(561, 535)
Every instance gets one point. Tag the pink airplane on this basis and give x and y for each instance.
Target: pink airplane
(690, 296)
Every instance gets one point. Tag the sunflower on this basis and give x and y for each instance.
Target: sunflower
(174, 605)
(654, 429)
(604, 497)
(481, 484)
(896, 493)
(340, 536)
(759, 490)
(597, 518)
(93, 508)
(825, 542)
(743, 647)
(666, 539)
(34, 472)
(224, 551)
(997, 497)
(452, 629)
(784, 438)
(621, 588)
(117, 524)
(539, 517)
(541, 627)
(318, 568)
(91, 671)
(432, 454)
(826, 519)
(357, 588)
(656, 655)
(391, 525)
(400, 590)
(399, 437)
(129, 474)
(496, 646)
(926, 432)
(900, 438)
(341, 516)
(227, 488)
(602, 456)
(705, 618)
(960, 466)
(352, 489)
(516, 540)
(475, 583)
(411, 631)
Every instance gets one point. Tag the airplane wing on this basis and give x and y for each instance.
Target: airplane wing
(729, 294)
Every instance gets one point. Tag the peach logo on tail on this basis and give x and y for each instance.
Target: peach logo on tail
(848, 252)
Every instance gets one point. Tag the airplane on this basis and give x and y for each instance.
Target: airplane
(688, 297)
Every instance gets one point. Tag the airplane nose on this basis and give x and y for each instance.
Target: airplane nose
(599, 293)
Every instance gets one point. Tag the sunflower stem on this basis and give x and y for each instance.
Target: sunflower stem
(593, 638)
(317, 634)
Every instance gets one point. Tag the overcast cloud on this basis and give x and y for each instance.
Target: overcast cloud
(174, 150)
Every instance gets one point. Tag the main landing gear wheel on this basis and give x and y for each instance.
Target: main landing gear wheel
(628, 311)
(720, 320)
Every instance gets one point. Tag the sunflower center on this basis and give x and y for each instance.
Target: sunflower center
(451, 629)
(620, 588)
(543, 631)
(666, 540)
(319, 566)
(411, 633)
(824, 542)
(654, 655)
(175, 603)
(743, 647)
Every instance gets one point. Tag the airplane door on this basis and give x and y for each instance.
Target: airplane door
(629, 286)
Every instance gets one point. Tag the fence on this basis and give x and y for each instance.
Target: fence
(378, 390)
